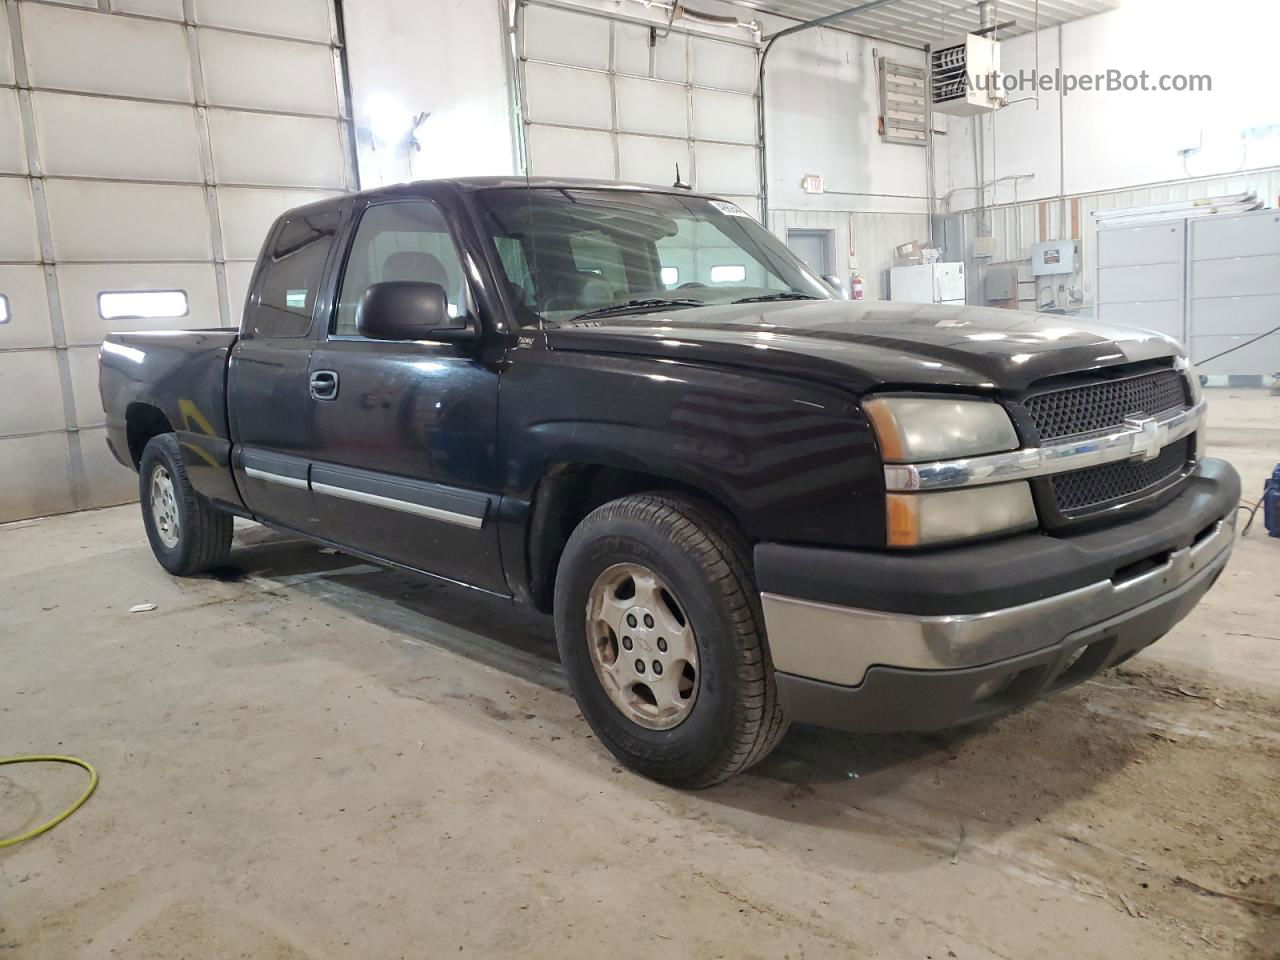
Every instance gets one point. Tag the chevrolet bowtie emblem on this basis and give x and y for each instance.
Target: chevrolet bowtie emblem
(1150, 438)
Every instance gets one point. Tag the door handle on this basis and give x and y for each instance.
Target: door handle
(324, 385)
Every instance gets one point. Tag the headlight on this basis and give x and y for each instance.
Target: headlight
(917, 519)
(913, 429)
(918, 429)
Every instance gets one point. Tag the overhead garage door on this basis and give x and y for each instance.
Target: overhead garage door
(145, 146)
(600, 100)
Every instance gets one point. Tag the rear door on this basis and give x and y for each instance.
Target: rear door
(268, 393)
(405, 461)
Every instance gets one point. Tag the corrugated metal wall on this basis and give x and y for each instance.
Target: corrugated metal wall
(1015, 227)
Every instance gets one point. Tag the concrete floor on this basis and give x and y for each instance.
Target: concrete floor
(328, 760)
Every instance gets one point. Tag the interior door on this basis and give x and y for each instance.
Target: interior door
(405, 464)
(269, 405)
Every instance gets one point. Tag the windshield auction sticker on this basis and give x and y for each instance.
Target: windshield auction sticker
(729, 209)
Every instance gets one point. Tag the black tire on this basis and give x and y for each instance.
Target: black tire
(737, 717)
(203, 532)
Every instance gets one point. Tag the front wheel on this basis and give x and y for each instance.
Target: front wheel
(660, 632)
(188, 534)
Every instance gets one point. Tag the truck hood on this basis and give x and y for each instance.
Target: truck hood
(872, 344)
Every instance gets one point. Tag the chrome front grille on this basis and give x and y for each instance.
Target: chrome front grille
(1114, 482)
(1099, 406)
(1105, 406)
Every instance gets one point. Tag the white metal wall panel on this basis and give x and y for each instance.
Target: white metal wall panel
(262, 74)
(24, 287)
(6, 48)
(724, 66)
(116, 139)
(13, 154)
(650, 160)
(1134, 246)
(653, 106)
(561, 36)
(566, 95)
(676, 98)
(301, 19)
(1249, 235)
(1136, 284)
(24, 458)
(17, 221)
(30, 392)
(275, 150)
(1258, 359)
(725, 169)
(93, 220)
(81, 283)
(106, 483)
(84, 50)
(247, 212)
(239, 272)
(84, 386)
(1234, 315)
(1237, 276)
(571, 153)
(167, 9)
(724, 116)
(1163, 316)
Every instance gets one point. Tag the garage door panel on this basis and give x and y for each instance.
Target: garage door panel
(726, 66)
(631, 53)
(6, 48)
(13, 151)
(35, 477)
(107, 481)
(650, 106)
(289, 151)
(18, 239)
(131, 140)
(239, 273)
(646, 160)
(27, 300)
(570, 153)
(247, 213)
(80, 285)
(83, 362)
(1164, 316)
(168, 9)
(30, 392)
(1258, 359)
(127, 221)
(567, 95)
(262, 74)
(1236, 276)
(724, 116)
(84, 50)
(564, 37)
(300, 19)
(727, 169)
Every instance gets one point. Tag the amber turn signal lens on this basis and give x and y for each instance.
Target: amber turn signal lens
(902, 517)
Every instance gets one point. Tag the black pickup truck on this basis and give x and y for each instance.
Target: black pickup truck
(745, 501)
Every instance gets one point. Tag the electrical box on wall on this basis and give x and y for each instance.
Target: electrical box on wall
(963, 76)
(1054, 257)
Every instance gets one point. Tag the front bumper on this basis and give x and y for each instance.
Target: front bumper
(933, 648)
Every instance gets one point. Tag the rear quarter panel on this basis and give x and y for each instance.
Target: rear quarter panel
(183, 374)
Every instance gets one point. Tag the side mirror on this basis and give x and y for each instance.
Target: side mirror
(411, 310)
(836, 286)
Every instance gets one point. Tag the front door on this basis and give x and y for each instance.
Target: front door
(405, 432)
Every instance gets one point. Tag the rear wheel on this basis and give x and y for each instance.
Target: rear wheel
(188, 534)
(660, 632)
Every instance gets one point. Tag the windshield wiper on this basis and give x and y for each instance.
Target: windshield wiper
(648, 303)
(788, 295)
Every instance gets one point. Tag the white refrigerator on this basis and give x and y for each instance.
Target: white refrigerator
(928, 283)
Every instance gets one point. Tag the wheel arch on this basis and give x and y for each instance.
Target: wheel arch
(143, 421)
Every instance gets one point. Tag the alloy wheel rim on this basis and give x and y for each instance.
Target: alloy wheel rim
(164, 507)
(642, 646)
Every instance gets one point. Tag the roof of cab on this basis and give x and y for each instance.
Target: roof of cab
(477, 184)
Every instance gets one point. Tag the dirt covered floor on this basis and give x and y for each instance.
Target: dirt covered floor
(315, 758)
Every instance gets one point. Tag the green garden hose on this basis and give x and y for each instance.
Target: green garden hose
(35, 832)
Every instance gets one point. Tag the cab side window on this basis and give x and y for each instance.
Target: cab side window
(292, 274)
(401, 240)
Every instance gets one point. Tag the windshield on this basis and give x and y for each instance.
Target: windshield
(569, 254)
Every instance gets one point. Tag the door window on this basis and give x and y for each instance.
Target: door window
(293, 273)
(400, 241)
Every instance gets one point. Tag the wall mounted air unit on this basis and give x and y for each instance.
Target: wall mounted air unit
(963, 76)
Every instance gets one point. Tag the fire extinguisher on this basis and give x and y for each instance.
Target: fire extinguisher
(856, 289)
